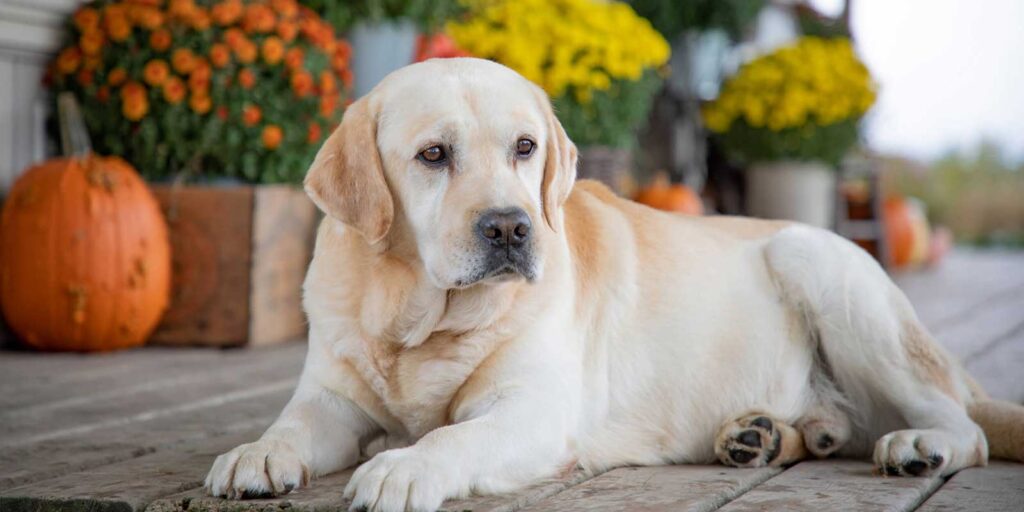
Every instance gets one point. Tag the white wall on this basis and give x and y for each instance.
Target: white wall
(30, 34)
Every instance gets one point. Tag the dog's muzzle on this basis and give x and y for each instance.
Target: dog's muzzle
(506, 237)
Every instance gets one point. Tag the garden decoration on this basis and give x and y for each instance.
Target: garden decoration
(245, 90)
(663, 195)
(384, 32)
(790, 117)
(84, 258)
(907, 233)
(598, 61)
(232, 99)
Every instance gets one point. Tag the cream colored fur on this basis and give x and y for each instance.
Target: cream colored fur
(643, 338)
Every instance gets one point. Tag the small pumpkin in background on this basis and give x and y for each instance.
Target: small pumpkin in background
(85, 262)
(906, 231)
(672, 197)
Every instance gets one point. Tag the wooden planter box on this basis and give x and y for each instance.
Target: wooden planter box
(240, 254)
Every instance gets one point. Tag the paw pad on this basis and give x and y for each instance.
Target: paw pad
(752, 442)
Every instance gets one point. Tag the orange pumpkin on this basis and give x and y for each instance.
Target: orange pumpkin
(84, 257)
(666, 196)
(906, 231)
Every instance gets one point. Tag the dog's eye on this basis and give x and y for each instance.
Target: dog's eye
(524, 147)
(434, 155)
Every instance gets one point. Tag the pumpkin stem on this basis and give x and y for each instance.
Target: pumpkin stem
(74, 138)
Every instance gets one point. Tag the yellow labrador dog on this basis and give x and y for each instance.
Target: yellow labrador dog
(478, 321)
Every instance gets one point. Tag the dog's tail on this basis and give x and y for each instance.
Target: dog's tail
(1003, 423)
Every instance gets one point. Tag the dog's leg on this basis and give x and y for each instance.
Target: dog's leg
(880, 355)
(824, 425)
(509, 426)
(756, 440)
(825, 429)
(317, 433)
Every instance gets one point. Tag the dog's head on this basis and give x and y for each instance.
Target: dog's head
(461, 160)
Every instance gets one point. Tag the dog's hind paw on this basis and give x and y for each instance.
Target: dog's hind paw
(757, 440)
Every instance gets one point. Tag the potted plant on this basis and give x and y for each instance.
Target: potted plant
(790, 116)
(598, 61)
(383, 32)
(223, 104)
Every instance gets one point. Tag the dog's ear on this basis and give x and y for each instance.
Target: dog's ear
(559, 164)
(346, 179)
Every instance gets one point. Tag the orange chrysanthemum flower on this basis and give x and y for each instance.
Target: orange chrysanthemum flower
(91, 42)
(246, 52)
(69, 60)
(86, 19)
(200, 103)
(155, 72)
(246, 78)
(200, 19)
(220, 55)
(328, 84)
(294, 58)
(199, 80)
(134, 103)
(226, 13)
(174, 90)
(328, 104)
(160, 40)
(117, 26)
(117, 77)
(150, 18)
(313, 133)
(286, 8)
(183, 60)
(287, 30)
(251, 115)
(103, 93)
(234, 38)
(272, 136)
(181, 9)
(273, 50)
(258, 18)
(302, 84)
(340, 57)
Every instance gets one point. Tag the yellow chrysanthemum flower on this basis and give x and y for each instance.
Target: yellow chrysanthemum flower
(582, 45)
(815, 80)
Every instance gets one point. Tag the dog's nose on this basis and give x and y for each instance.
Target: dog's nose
(507, 227)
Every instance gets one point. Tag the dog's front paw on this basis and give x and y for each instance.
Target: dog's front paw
(912, 453)
(400, 480)
(257, 470)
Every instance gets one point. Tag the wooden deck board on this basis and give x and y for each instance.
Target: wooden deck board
(815, 486)
(999, 487)
(144, 412)
(138, 430)
(131, 484)
(658, 488)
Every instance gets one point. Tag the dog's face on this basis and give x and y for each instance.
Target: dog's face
(463, 156)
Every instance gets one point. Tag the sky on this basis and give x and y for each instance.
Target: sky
(950, 73)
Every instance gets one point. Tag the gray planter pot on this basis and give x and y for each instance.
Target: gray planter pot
(379, 48)
(610, 166)
(800, 191)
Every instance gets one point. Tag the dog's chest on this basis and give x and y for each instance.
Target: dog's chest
(417, 385)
